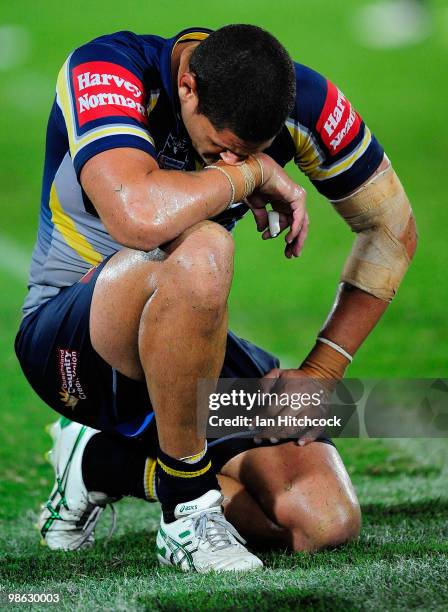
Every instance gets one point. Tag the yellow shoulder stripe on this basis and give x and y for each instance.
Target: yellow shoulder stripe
(321, 174)
(192, 35)
(64, 98)
(66, 226)
(111, 130)
(62, 91)
(309, 158)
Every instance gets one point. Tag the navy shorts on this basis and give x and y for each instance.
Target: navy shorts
(54, 349)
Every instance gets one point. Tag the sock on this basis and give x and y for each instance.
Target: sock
(195, 458)
(118, 466)
(182, 480)
(150, 479)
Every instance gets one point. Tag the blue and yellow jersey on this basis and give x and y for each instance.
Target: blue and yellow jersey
(117, 91)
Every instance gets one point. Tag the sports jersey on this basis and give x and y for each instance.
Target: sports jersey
(117, 91)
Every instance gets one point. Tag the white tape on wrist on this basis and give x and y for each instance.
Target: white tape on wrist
(229, 178)
(336, 347)
(274, 223)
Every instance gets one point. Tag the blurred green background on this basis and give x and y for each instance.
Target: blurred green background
(281, 304)
(401, 94)
(278, 303)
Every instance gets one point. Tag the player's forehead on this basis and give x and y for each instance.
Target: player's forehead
(229, 141)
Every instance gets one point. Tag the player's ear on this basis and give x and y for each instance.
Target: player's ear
(187, 89)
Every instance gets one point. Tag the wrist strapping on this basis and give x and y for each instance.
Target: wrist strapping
(324, 361)
(243, 178)
(229, 178)
(336, 347)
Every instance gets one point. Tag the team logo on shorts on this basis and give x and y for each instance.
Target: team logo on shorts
(71, 389)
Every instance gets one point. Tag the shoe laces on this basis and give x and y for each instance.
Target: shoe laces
(84, 524)
(212, 527)
(90, 523)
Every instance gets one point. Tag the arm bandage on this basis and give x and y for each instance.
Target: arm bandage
(379, 213)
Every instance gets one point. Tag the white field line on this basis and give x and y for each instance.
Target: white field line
(14, 259)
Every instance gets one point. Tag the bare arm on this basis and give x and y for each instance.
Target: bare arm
(356, 312)
(143, 206)
(353, 316)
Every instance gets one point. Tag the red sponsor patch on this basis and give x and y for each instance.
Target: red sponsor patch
(338, 123)
(104, 89)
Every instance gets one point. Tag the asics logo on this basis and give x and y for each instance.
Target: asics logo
(188, 508)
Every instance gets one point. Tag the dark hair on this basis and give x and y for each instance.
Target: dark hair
(245, 81)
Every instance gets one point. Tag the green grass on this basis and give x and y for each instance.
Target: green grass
(401, 559)
(399, 562)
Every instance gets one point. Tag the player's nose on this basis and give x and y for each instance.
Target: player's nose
(232, 158)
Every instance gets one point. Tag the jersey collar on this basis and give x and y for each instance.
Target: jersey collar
(193, 34)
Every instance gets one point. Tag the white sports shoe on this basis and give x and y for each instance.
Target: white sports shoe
(69, 518)
(202, 540)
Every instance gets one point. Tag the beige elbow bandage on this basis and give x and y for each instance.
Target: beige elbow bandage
(379, 213)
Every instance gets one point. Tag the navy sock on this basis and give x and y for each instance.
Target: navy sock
(115, 466)
(178, 481)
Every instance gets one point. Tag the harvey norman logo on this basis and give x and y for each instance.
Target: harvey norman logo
(104, 89)
(334, 120)
(338, 123)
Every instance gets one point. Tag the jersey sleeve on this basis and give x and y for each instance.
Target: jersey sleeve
(103, 99)
(333, 146)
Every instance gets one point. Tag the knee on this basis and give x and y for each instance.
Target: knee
(336, 529)
(326, 528)
(203, 264)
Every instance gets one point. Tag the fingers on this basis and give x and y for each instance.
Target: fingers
(274, 373)
(294, 216)
(261, 218)
(295, 248)
(309, 436)
(284, 221)
(288, 200)
(231, 158)
(257, 204)
(259, 440)
(304, 441)
(298, 215)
